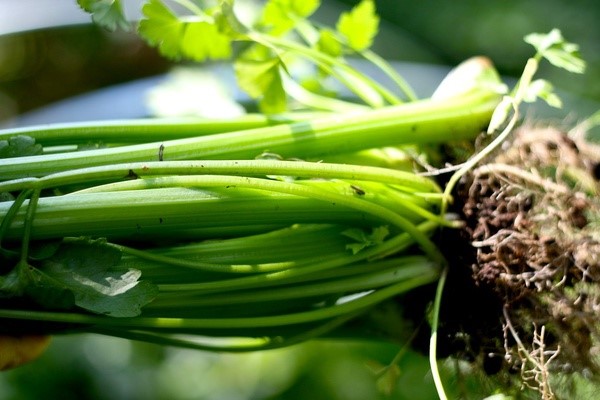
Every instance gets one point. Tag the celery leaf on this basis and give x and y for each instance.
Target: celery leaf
(359, 26)
(87, 269)
(554, 48)
(196, 37)
(279, 16)
(259, 75)
(106, 13)
(328, 43)
(364, 240)
(80, 273)
(19, 146)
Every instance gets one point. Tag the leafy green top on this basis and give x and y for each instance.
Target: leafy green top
(106, 13)
(281, 36)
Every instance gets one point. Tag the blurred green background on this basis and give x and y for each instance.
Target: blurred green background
(42, 66)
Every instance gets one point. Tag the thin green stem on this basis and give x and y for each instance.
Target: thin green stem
(349, 76)
(204, 266)
(384, 66)
(28, 224)
(237, 345)
(298, 169)
(381, 213)
(435, 318)
(350, 284)
(190, 5)
(144, 130)
(199, 325)
(307, 273)
(514, 103)
(420, 122)
(12, 211)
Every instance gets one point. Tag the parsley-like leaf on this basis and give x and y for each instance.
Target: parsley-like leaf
(86, 269)
(542, 89)
(19, 146)
(82, 274)
(259, 74)
(279, 16)
(197, 38)
(106, 13)
(328, 43)
(554, 48)
(27, 282)
(365, 240)
(359, 26)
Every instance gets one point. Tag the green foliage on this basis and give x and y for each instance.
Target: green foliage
(544, 90)
(197, 38)
(79, 273)
(377, 236)
(258, 73)
(560, 53)
(329, 43)
(359, 26)
(106, 13)
(198, 33)
(19, 146)
(279, 16)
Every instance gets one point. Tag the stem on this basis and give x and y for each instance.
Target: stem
(351, 284)
(237, 345)
(307, 273)
(401, 179)
(375, 210)
(514, 102)
(12, 211)
(435, 319)
(199, 325)
(192, 7)
(143, 130)
(28, 223)
(421, 122)
(391, 73)
(349, 76)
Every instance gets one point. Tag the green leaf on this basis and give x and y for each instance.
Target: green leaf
(42, 250)
(19, 146)
(359, 26)
(82, 274)
(542, 89)
(202, 40)
(86, 269)
(195, 37)
(26, 281)
(259, 75)
(106, 13)
(328, 43)
(554, 48)
(279, 16)
(364, 240)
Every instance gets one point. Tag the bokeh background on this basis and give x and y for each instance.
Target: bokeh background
(48, 52)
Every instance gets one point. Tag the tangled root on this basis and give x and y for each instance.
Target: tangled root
(532, 218)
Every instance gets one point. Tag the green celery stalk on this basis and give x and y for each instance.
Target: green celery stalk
(420, 122)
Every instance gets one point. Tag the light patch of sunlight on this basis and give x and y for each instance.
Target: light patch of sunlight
(106, 352)
(196, 92)
(193, 375)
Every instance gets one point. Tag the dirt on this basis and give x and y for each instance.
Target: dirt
(523, 295)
